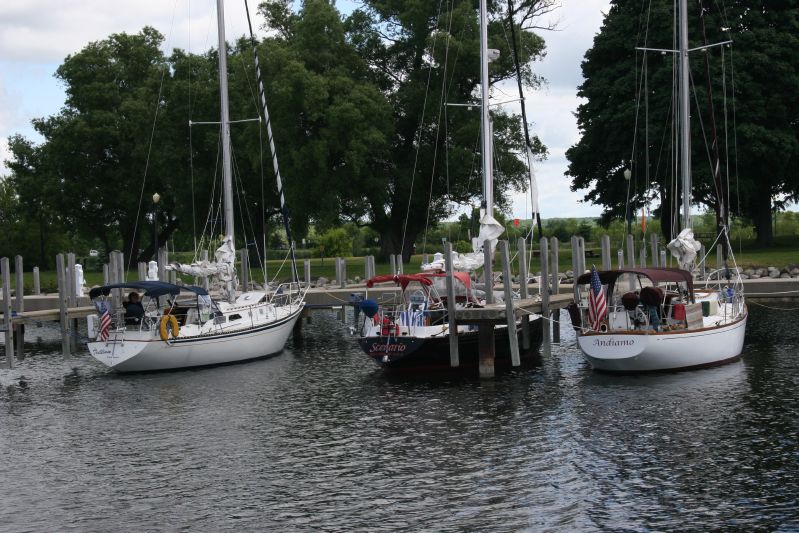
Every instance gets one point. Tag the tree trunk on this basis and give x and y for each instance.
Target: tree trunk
(42, 244)
(761, 216)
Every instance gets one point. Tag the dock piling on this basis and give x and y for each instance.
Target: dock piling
(555, 285)
(510, 314)
(630, 251)
(606, 252)
(62, 302)
(70, 279)
(524, 277)
(306, 264)
(653, 242)
(487, 348)
(575, 256)
(5, 272)
(393, 262)
(19, 302)
(454, 356)
(37, 285)
(163, 259)
(488, 274)
(544, 286)
(72, 299)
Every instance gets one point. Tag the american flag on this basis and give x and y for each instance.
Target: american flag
(105, 325)
(597, 307)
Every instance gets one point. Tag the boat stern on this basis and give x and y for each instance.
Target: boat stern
(611, 352)
(115, 352)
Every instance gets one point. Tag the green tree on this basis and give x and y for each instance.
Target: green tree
(766, 101)
(96, 148)
(399, 62)
(336, 242)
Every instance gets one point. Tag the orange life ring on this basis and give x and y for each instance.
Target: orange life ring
(169, 324)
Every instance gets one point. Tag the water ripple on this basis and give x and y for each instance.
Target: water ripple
(317, 439)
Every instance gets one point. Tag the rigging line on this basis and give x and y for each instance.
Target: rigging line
(419, 135)
(283, 207)
(262, 259)
(662, 143)
(210, 221)
(704, 133)
(642, 89)
(639, 90)
(150, 149)
(726, 131)
(523, 106)
(735, 141)
(254, 99)
(722, 217)
(191, 173)
(239, 193)
(441, 105)
(750, 302)
(208, 227)
(675, 205)
(191, 143)
(242, 200)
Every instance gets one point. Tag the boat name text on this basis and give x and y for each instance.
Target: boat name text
(614, 342)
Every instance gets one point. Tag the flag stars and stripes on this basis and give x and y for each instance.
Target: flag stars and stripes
(597, 306)
(105, 326)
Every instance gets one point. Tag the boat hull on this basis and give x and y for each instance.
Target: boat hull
(641, 351)
(428, 354)
(141, 353)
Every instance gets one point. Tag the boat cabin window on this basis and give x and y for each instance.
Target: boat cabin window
(235, 317)
(204, 306)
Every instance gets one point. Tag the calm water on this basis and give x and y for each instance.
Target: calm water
(320, 439)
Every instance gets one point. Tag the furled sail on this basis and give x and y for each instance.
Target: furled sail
(490, 230)
(684, 248)
(223, 268)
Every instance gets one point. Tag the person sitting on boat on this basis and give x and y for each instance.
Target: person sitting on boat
(134, 310)
(651, 299)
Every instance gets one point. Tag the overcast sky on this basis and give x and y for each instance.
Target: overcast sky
(36, 36)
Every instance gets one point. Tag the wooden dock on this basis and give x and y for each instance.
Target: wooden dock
(550, 296)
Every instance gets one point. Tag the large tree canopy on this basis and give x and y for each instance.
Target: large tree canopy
(358, 107)
(417, 156)
(619, 130)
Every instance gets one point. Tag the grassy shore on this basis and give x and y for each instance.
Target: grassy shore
(785, 251)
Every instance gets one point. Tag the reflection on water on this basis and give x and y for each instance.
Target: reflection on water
(320, 439)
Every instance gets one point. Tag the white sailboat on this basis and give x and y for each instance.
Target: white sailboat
(195, 329)
(413, 335)
(654, 319)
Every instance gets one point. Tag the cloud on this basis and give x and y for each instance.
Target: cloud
(551, 109)
(36, 36)
(8, 119)
(47, 31)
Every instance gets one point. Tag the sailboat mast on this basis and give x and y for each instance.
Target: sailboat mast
(685, 124)
(485, 120)
(227, 176)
